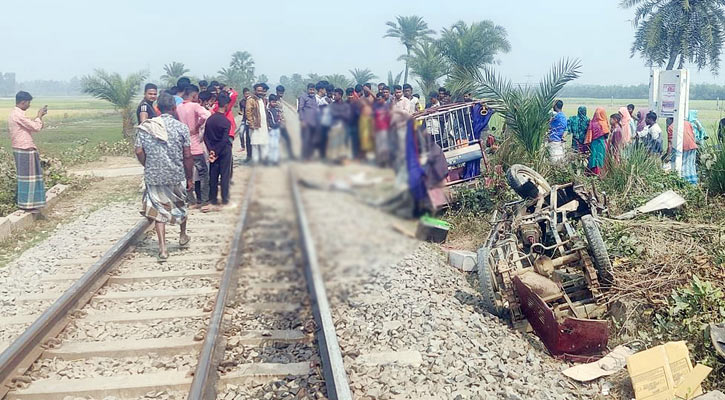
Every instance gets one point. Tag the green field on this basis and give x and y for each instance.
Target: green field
(708, 112)
(71, 123)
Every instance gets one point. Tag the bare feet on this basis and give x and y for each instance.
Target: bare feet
(184, 240)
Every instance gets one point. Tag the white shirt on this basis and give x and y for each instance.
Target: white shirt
(260, 136)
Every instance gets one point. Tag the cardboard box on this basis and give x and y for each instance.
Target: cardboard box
(662, 372)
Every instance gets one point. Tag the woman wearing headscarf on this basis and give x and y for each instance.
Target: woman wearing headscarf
(596, 139)
(626, 126)
(578, 126)
(641, 119)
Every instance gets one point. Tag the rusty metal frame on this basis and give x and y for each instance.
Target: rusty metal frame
(203, 386)
(20, 355)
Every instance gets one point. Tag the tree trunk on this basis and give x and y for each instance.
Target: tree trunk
(405, 80)
(673, 59)
(128, 125)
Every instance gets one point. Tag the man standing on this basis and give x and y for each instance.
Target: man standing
(146, 109)
(557, 129)
(308, 110)
(244, 141)
(414, 101)
(191, 113)
(401, 103)
(163, 148)
(29, 172)
(320, 140)
(181, 85)
(216, 138)
(381, 86)
(386, 95)
(284, 134)
(256, 112)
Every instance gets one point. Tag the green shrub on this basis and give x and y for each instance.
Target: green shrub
(712, 162)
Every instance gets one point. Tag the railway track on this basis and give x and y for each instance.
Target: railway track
(239, 314)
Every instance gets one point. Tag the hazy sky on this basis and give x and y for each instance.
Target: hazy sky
(50, 39)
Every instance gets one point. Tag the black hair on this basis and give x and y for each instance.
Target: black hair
(310, 86)
(630, 107)
(173, 90)
(340, 91)
(213, 83)
(358, 88)
(349, 91)
(203, 83)
(273, 97)
(182, 83)
(23, 96)
(368, 85)
(558, 104)
(265, 86)
(442, 89)
(257, 85)
(416, 95)
(279, 88)
(189, 89)
(616, 116)
(407, 86)
(205, 95)
(320, 85)
(150, 86)
(245, 90)
(381, 84)
(433, 95)
(386, 88)
(651, 115)
(380, 95)
(223, 99)
(397, 87)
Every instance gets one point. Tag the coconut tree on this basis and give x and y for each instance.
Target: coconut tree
(470, 47)
(525, 108)
(394, 80)
(410, 30)
(118, 91)
(428, 65)
(673, 32)
(240, 72)
(338, 81)
(172, 73)
(362, 76)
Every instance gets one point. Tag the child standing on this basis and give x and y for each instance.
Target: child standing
(274, 118)
(381, 118)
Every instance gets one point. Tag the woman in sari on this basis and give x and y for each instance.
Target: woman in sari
(578, 126)
(626, 124)
(596, 139)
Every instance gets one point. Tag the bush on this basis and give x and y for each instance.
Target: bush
(690, 311)
(712, 162)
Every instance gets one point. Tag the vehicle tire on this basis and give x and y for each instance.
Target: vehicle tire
(485, 279)
(519, 176)
(598, 250)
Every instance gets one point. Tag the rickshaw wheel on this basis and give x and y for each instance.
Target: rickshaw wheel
(486, 279)
(526, 182)
(598, 250)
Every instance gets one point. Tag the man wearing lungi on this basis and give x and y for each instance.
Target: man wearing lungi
(31, 188)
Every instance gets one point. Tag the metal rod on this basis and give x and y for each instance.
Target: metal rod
(15, 359)
(333, 368)
(203, 387)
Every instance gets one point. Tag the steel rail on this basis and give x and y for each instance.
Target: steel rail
(18, 357)
(203, 386)
(333, 368)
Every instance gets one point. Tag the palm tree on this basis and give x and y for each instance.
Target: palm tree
(172, 73)
(362, 76)
(525, 109)
(118, 91)
(470, 47)
(338, 81)
(411, 30)
(240, 73)
(428, 65)
(672, 32)
(392, 81)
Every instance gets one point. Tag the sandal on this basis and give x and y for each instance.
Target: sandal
(162, 257)
(184, 243)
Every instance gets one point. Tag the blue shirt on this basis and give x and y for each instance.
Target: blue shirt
(557, 127)
(178, 100)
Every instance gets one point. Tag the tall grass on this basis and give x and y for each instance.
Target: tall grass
(713, 160)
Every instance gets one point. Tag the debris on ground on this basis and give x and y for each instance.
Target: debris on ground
(666, 372)
(432, 230)
(717, 337)
(462, 259)
(607, 365)
(668, 200)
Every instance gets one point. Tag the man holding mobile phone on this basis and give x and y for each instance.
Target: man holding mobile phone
(31, 188)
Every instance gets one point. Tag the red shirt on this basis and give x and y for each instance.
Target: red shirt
(230, 112)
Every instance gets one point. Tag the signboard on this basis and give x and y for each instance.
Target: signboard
(669, 99)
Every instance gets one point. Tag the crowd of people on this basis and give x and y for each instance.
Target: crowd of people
(603, 137)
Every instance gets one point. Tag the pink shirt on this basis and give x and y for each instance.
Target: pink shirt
(21, 127)
(193, 115)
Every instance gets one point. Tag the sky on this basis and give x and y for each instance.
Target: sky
(50, 39)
